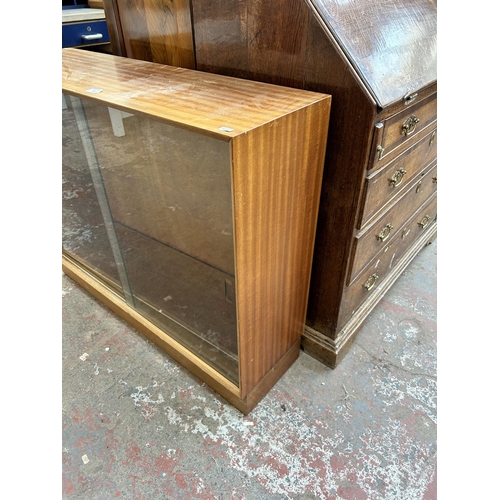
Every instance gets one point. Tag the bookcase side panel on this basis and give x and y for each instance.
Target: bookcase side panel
(277, 171)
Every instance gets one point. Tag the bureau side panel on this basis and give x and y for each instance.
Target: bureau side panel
(256, 39)
(221, 36)
(277, 172)
(349, 139)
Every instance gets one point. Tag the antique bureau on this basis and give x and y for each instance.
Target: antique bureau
(377, 59)
(189, 208)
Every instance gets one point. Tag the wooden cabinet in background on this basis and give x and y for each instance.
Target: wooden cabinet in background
(377, 59)
(189, 208)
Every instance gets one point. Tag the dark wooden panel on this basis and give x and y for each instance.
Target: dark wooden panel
(276, 41)
(114, 27)
(324, 67)
(221, 36)
(256, 39)
(351, 128)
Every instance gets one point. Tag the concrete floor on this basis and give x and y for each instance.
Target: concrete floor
(136, 425)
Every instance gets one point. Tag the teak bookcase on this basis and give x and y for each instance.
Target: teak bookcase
(190, 203)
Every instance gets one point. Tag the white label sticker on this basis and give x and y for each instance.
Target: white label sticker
(85, 459)
(94, 91)
(226, 129)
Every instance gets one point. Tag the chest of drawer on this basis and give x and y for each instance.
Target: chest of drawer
(379, 268)
(401, 130)
(382, 186)
(373, 240)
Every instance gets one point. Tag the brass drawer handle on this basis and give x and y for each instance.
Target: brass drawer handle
(419, 185)
(425, 221)
(435, 180)
(384, 234)
(405, 233)
(397, 178)
(433, 136)
(409, 125)
(370, 282)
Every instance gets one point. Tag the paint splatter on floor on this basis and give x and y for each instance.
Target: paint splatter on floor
(150, 429)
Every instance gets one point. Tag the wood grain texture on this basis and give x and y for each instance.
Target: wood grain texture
(272, 56)
(331, 351)
(221, 36)
(225, 44)
(169, 31)
(392, 44)
(367, 243)
(115, 28)
(366, 55)
(255, 39)
(266, 383)
(276, 176)
(396, 251)
(393, 140)
(349, 138)
(136, 43)
(189, 99)
(155, 30)
(276, 155)
(380, 188)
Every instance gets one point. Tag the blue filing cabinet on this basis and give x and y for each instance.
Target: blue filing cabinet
(83, 26)
(84, 33)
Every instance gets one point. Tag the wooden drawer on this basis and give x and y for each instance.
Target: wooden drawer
(402, 130)
(378, 235)
(381, 266)
(382, 186)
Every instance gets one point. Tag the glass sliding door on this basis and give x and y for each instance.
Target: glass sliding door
(147, 208)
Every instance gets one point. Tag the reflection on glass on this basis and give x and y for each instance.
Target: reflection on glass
(168, 192)
(84, 233)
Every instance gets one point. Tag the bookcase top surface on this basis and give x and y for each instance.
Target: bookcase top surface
(392, 44)
(220, 106)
